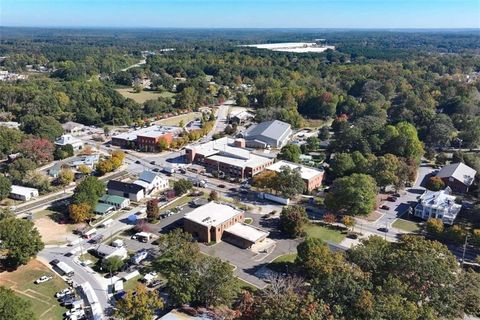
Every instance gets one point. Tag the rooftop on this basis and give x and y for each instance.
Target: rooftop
(112, 199)
(459, 171)
(306, 172)
(442, 200)
(70, 125)
(222, 150)
(147, 176)
(247, 232)
(274, 129)
(212, 214)
(123, 186)
(22, 190)
(298, 47)
(103, 208)
(151, 132)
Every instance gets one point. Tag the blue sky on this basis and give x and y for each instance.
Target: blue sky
(243, 13)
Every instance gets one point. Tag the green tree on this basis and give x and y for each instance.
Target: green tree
(5, 187)
(9, 139)
(342, 165)
(138, 304)
(14, 307)
(62, 152)
(291, 152)
(88, 191)
(20, 241)
(45, 127)
(182, 186)
(112, 264)
(19, 168)
(352, 195)
(293, 220)
(216, 282)
(288, 182)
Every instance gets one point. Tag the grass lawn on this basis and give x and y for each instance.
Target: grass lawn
(132, 283)
(283, 263)
(248, 220)
(241, 285)
(406, 225)
(175, 120)
(324, 233)
(41, 296)
(143, 96)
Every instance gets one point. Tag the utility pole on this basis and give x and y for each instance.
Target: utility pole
(464, 249)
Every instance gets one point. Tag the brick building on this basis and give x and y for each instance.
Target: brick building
(214, 222)
(458, 176)
(312, 177)
(146, 139)
(229, 157)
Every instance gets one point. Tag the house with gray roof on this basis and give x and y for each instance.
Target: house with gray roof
(151, 181)
(273, 134)
(458, 176)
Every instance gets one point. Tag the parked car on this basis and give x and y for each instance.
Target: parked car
(385, 207)
(67, 297)
(221, 186)
(43, 279)
(68, 302)
(383, 229)
(137, 162)
(54, 262)
(63, 293)
(154, 283)
(396, 195)
(152, 162)
(391, 199)
(156, 170)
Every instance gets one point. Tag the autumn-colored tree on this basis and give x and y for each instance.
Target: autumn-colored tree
(38, 150)
(349, 222)
(65, 177)
(435, 226)
(104, 166)
(162, 144)
(152, 209)
(213, 196)
(84, 169)
(138, 304)
(80, 212)
(435, 184)
(264, 180)
(329, 218)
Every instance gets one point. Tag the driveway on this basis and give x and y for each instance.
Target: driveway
(407, 199)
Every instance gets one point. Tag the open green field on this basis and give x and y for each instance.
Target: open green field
(324, 233)
(175, 121)
(143, 96)
(41, 296)
(406, 225)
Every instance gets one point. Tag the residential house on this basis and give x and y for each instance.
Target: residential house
(103, 208)
(151, 181)
(131, 191)
(68, 139)
(105, 252)
(438, 204)
(73, 128)
(458, 176)
(117, 202)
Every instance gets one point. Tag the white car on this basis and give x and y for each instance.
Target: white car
(43, 279)
(63, 293)
(75, 312)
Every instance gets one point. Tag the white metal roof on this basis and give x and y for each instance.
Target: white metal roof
(22, 190)
(459, 171)
(306, 172)
(212, 214)
(247, 232)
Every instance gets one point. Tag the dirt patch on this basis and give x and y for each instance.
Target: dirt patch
(372, 216)
(52, 232)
